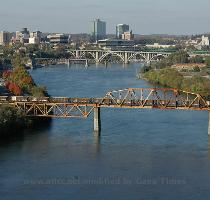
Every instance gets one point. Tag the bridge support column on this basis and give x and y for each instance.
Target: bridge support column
(77, 54)
(68, 62)
(126, 58)
(97, 57)
(97, 120)
(148, 58)
(209, 124)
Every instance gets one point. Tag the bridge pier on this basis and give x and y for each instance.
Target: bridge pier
(77, 53)
(126, 58)
(209, 124)
(97, 57)
(68, 62)
(97, 121)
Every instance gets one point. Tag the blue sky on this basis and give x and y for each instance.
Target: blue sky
(74, 16)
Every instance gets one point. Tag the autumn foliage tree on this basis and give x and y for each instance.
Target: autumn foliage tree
(19, 81)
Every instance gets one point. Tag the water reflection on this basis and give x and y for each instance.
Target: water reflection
(209, 148)
(97, 141)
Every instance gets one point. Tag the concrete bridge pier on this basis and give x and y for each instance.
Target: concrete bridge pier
(97, 57)
(97, 121)
(209, 124)
(126, 58)
(77, 54)
(68, 62)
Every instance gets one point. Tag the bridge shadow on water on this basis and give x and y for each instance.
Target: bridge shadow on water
(35, 127)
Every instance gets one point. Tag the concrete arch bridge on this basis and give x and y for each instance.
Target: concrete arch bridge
(101, 56)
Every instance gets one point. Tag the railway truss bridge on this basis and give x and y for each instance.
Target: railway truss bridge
(133, 98)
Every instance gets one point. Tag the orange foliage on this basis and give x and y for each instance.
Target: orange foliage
(27, 80)
(14, 88)
(6, 74)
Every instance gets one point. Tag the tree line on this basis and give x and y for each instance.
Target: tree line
(161, 73)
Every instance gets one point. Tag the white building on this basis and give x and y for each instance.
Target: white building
(34, 40)
(157, 45)
(127, 35)
(36, 34)
(205, 41)
(59, 38)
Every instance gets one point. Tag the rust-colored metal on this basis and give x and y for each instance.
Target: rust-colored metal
(137, 98)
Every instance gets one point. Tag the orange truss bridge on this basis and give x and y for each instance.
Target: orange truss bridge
(136, 98)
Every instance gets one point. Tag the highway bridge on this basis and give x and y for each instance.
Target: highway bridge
(104, 56)
(133, 98)
(100, 56)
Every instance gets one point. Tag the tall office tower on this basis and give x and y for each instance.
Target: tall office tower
(120, 29)
(4, 37)
(98, 29)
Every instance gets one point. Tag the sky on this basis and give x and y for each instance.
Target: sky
(74, 16)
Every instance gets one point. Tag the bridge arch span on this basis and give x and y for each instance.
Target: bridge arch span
(86, 53)
(155, 57)
(136, 54)
(111, 53)
(72, 54)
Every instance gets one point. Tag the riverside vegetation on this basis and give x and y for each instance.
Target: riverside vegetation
(193, 80)
(19, 82)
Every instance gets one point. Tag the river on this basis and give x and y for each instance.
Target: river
(141, 154)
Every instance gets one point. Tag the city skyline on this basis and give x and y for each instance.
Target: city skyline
(143, 16)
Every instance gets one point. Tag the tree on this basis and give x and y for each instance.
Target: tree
(207, 62)
(17, 61)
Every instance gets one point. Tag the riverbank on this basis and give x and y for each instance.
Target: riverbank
(180, 71)
(12, 120)
(169, 77)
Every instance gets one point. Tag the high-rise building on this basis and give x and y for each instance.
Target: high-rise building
(98, 29)
(4, 37)
(120, 29)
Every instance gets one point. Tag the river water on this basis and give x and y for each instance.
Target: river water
(141, 154)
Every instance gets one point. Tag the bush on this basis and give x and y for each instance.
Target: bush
(196, 69)
(38, 91)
